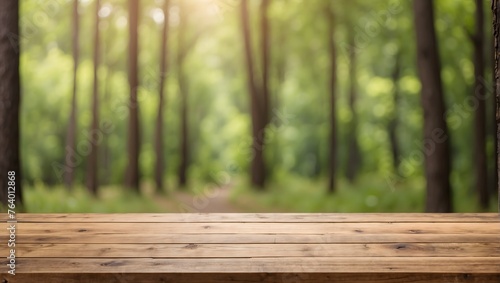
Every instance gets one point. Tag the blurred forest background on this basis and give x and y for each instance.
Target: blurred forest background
(255, 105)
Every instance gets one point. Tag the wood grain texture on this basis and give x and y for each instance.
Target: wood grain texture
(144, 237)
(285, 248)
(264, 228)
(253, 278)
(262, 265)
(258, 217)
(258, 250)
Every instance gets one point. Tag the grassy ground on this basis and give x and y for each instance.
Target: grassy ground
(42, 199)
(368, 194)
(290, 194)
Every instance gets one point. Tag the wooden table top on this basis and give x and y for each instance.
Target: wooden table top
(250, 245)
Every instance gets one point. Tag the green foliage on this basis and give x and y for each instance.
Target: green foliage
(297, 145)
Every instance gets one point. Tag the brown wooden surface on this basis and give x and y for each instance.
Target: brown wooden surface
(265, 228)
(252, 278)
(255, 248)
(140, 237)
(258, 217)
(259, 265)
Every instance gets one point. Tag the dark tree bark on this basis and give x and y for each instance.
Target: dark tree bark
(393, 122)
(332, 84)
(105, 175)
(258, 170)
(493, 127)
(265, 30)
(9, 100)
(134, 141)
(354, 155)
(436, 139)
(69, 173)
(496, 32)
(160, 163)
(184, 93)
(184, 47)
(92, 169)
(480, 162)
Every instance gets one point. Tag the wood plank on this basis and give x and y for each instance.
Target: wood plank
(257, 217)
(262, 265)
(143, 238)
(252, 278)
(256, 250)
(261, 228)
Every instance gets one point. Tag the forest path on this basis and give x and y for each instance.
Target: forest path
(216, 200)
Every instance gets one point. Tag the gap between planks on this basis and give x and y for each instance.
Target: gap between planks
(258, 250)
(259, 265)
(259, 217)
(259, 228)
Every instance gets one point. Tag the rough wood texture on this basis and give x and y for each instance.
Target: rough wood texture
(256, 248)
(259, 217)
(253, 278)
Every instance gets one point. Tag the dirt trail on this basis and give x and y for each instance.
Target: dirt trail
(217, 201)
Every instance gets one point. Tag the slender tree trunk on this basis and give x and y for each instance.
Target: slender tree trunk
(184, 93)
(160, 164)
(436, 139)
(9, 101)
(281, 61)
(256, 105)
(280, 54)
(265, 30)
(393, 123)
(69, 173)
(354, 155)
(493, 127)
(496, 32)
(133, 175)
(480, 162)
(92, 179)
(264, 110)
(106, 173)
(332, 83)
(106, 151)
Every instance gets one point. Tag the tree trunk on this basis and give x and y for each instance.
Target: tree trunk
(265, 30)
(69, 173)
(436, 139)
(184, 93)
(9, 101)
(94, 134)
(256, 105)
(281, 61)
(354, 155)
(106, 172)
(393, 123)
(160, 164)
(133, 175)
(496, 32)
(480, 162)
(332, 157)
(280, 64)
(492, 125)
